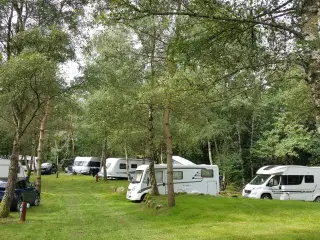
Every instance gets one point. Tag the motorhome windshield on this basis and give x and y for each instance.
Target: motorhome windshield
(260, 179)
(137, 176)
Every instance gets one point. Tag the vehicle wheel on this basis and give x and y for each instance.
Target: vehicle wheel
(317, 199)
(36, 201)
(142, 198)
(266, 196)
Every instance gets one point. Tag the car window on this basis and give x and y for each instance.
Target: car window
(21, 184)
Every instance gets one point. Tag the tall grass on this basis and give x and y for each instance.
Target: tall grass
(77, 207)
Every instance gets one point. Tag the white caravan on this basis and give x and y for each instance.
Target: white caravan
(86, 165)
(117, 167)
(4, 169)
(287, 182)
(186, 178)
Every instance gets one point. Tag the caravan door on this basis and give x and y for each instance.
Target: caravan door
(162, 188)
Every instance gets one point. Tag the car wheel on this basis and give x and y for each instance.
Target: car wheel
(266, 196)
(36, 201)
(317, 199)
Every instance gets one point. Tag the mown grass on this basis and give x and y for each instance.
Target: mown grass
(76, 207)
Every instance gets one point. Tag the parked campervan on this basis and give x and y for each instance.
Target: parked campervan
(186, 178)
(86, 165)
(4, 169)
(117, 167)
(286, 182)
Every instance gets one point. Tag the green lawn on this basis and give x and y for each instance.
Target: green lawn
(76, 207)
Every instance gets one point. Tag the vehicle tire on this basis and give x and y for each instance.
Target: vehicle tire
(36, 201)
(266, 196)
(317, 199)
(142, 198)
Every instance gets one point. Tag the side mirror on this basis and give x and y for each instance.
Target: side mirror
(280, 187)
(148, 180)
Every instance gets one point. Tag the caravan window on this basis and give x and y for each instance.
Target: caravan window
(291, 179)
(134, 165)
(123, 166)
(308, 179)
(94, 164)
(177, 175)
(79, 163)
(207, 173)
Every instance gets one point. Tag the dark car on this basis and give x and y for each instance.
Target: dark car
(48, 168)
(24, 192)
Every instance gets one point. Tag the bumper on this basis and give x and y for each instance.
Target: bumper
(250, 194)
(133, 196)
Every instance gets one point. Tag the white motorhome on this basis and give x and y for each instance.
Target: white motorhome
(4, 169)
(186, 178)
(86, 165)
(117, 167)
(286, 182)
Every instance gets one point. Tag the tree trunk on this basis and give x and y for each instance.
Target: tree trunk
(161, 157)
(57, 157)
(40, 146)
(103, 158)
(240, 153)
(33, 154)
(168, 137)
(151, 153)
(210, 152)
(251, 145)
(72, 140)
(5, 205)
(127, 163)
(310, 29)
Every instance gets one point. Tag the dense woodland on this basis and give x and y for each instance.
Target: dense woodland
(232, 83)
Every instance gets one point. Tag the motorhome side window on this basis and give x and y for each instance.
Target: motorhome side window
(308, 179)
(134, 165)
(123, 166)
(177, 175)
(291, 179)
(207, 173)
(159, 177)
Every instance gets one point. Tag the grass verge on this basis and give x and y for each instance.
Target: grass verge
(77, 207)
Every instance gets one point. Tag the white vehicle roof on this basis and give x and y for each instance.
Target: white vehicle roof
(178, 166)
(279, 169)
(94, 159)
(181, 160)
(116, 159)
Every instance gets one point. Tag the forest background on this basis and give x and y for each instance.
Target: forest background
(235, 83)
